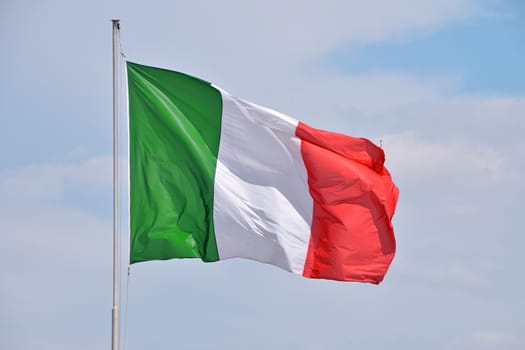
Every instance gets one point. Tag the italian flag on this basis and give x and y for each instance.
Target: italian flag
(215, 177)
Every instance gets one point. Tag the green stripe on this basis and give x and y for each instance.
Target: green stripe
(174, 132)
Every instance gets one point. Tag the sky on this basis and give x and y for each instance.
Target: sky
(438, 83)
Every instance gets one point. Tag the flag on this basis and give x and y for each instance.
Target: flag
(214, 177)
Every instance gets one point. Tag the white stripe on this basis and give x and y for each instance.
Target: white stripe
(262, 208)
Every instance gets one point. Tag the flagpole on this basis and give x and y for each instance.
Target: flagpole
(116, 269)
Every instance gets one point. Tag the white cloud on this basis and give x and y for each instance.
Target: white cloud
(56, 259)
(56, 275)
(292, 30)
(334, 96)
(51, 180)
(445, 274)
(411, 156)
(214, 40)
(488, 340)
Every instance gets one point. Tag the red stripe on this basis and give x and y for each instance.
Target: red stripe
(352, 238)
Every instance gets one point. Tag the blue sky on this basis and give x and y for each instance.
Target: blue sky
(486, 53)
(438, 82)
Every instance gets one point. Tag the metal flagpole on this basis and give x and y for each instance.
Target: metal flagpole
(116, 269)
